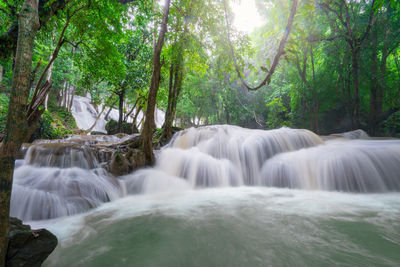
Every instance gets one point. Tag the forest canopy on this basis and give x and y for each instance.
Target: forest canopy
(339, 69)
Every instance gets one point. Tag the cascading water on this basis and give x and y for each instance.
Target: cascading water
(304, 205)
(232, 156)
(85, 115)
(59, 179)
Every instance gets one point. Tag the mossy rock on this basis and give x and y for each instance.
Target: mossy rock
(127, 128)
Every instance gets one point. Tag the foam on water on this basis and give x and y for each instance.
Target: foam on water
(234, 226)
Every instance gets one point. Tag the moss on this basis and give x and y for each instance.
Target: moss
(3, 110)
(63, 116)
(55, 123)
(112, 127)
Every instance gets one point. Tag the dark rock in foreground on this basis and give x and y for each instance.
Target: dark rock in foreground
(28, 247)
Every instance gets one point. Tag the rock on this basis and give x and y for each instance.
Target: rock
(135, 142)
(119, 164)
(356, 134)
(28, 247)
(136, 159)
(96, 133)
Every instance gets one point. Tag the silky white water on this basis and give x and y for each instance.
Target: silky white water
(221, 196)
(85, 115)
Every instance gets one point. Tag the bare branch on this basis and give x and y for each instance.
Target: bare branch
(278, 54)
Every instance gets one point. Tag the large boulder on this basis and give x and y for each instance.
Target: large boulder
(28, 247)
(124, 163)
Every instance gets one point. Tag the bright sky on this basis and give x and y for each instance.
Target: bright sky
(247, 17)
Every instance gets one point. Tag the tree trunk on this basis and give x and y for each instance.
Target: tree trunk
(167, 126)
(48, 78)
(374, 84)
(354, 70)
(71, 100)
(155, 82)
(172, 102)
(135, 117)
(109, 111)
(315, 97)
(64, 93)
(16, 126)
(97, 119)
(121, 96)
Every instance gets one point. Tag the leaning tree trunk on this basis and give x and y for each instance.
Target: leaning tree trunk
(48, 79)
(155, 82)
(16, 126)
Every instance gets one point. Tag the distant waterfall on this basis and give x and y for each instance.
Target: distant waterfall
(85, 115)
(216, 156)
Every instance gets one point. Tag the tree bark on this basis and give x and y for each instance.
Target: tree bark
(16, 126)
(97, 119)
(48, 79)
(315, 96)
(109, 111)
(133, 108)
(121, 96)
(356, 108)
(155, 82)
(71, 100)
(374, 83)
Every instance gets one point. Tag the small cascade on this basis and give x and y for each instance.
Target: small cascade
(61, 155)
(45, 193)
(85, 115)
(223, 156)
(355, 166)
(228, 155)
(61, 177)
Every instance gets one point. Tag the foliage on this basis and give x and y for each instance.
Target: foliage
(3, 110)
(51, 126)
(108, 52)
(127, 128)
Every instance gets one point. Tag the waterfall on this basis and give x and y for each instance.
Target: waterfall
(85, 115)
(221, 156)
(64, 177)
(218, 196)
(59, 178)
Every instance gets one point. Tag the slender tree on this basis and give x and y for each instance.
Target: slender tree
(17, 125)
(155, 83)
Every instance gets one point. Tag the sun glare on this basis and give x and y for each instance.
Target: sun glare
(247, 17)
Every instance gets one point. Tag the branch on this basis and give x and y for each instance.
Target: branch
(74, 45)
(371, 16)
(279, 53)
(326, 39)
(125, 1)
(61, 41)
